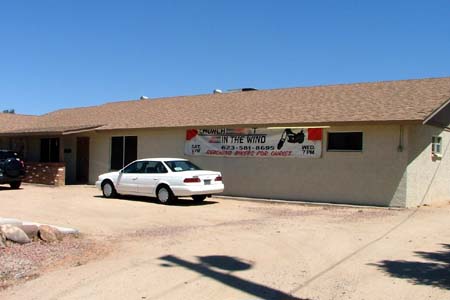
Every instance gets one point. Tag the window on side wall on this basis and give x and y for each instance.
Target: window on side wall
(436, 146)
(49, 150)
(123, 151)
(345, 141)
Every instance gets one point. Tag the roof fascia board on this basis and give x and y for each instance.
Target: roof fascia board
(320, 124)
(437, 124)
(25, 134)
(68, 132)
(44, 132)
(436, 111)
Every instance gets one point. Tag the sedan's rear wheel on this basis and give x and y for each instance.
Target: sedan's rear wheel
(199, 198)
(164, 195)
(108, 190)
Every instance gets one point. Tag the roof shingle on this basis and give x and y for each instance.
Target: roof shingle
(378, 102)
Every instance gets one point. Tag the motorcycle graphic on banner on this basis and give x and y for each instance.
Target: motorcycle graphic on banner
(255, 142)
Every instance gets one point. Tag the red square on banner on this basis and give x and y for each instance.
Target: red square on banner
(315, 134)
(190, 134)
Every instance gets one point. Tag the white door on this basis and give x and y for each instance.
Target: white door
(128, 179)
(127, 184)
(148, 181)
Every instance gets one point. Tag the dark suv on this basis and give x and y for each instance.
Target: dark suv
(12, 169)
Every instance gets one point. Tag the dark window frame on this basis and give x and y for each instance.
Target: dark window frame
(338, 149)
(126, 152)
(51, 147)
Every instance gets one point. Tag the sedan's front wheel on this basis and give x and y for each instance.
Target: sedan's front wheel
(164, 195)
(108, 190)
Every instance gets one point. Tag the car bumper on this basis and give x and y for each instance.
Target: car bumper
(197, 190)
(6, 180)
(98, 184)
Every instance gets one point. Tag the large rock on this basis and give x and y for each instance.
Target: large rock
(63, 230)
(10, 221)
(49, 233)
(30, 230)
(14, 234)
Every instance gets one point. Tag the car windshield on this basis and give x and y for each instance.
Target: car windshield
(181, 165)
(7, 154)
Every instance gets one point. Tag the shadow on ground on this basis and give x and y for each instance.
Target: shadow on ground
(435, 271)
(221, 268)
(8, 188)
(178, 202)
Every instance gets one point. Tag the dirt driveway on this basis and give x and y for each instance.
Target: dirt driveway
(225, 249)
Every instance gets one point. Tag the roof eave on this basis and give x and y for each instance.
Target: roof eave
(263, 125)
(50, 132)
(429, 118)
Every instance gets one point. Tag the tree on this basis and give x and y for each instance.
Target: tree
(9, 111)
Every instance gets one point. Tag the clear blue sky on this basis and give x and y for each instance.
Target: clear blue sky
(58, 54)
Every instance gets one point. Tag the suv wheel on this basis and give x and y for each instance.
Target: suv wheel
(15, 185)
(12, 167)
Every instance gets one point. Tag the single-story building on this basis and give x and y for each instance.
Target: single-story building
(381, 143)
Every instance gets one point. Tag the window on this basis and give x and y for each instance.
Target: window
(436, 146)
(181, 165)
(49, 150)
(155, 167)
(148, 167)
(7, 154)
(345, 141)
(123, 151)
(137, 167)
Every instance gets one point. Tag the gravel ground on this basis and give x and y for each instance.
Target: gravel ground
(194, 251)
(19, 263)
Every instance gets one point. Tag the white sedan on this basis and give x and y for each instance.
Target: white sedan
(163, 178)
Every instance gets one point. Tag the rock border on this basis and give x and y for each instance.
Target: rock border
(23, 232)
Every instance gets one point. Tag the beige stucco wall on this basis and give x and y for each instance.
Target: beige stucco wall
(379, 175)
(428, 180)
(375, 176)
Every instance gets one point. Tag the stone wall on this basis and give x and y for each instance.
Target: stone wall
(45, 173)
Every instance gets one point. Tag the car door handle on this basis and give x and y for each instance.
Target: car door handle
(135, 178)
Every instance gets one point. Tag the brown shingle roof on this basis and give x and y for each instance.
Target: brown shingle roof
(389, 101)
(11, 122)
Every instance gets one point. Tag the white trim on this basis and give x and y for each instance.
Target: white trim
(296, 127)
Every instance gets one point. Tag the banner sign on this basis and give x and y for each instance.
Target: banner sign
(255, 142)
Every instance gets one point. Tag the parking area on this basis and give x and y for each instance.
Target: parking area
(228, 249)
